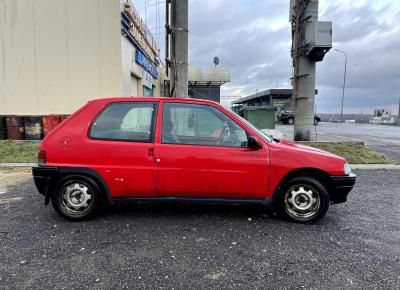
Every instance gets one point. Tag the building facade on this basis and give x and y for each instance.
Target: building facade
(204, 83)
(278, 98)
(57, 55)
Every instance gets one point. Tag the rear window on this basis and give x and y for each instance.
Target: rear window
(125, 122)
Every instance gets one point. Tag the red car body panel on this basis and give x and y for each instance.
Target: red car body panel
(209, 171)
(139, 169)
(288, 156)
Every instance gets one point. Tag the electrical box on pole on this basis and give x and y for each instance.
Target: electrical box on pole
(311, 40)
(318, 39)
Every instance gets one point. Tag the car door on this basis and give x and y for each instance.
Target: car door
(201, 152)
(121, 141)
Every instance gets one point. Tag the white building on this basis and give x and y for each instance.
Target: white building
(57, 55)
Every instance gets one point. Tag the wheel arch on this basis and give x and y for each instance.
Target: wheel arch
(322, 176)
(64, 172)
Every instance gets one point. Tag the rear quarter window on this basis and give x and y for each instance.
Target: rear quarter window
(125, 122)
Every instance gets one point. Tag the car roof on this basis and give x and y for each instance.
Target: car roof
(151, 99)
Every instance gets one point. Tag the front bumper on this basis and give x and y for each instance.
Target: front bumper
(341, 187)
(44, 178)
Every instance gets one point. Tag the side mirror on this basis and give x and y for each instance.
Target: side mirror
(253, 143)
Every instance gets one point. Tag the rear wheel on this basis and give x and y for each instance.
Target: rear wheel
(290, 121)
(303, 200)
(76, 198)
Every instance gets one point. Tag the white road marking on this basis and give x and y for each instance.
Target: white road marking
(344, 137)
(11, 199)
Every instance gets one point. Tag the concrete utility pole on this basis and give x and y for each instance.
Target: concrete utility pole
(311, 41)
(178, 28)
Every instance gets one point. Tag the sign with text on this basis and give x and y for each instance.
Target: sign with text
(142, 60)
(147, 80)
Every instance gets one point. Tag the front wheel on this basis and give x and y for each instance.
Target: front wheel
(290, 121)
(303, 200)
(76, 198)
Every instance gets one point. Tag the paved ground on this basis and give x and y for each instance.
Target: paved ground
(384, 139)
(10, 176)
(357, 245)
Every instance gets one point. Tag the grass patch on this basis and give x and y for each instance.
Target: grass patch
(15, 152)
(354, 154)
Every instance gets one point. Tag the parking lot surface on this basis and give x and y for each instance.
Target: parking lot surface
(357, 245)
(382, 138)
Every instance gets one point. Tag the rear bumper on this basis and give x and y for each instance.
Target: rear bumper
(341, 187)
(43, 176)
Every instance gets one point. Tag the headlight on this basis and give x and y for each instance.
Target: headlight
(347, 169)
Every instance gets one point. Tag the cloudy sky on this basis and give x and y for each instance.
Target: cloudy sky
(252, 39)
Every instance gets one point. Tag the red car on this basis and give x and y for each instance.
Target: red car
(181, 150)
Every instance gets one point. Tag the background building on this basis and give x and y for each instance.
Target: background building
(278, 98)
(57, 55)
(204, 83)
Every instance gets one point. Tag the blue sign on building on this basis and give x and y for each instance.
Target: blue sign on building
(142, 60)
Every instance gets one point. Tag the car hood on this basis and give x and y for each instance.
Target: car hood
(305, 147)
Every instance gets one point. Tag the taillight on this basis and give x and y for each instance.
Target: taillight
(42, 158)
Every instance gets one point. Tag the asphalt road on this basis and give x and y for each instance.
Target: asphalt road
(382, 138)
(357, 245)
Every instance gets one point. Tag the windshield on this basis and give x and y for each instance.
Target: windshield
(259, 132)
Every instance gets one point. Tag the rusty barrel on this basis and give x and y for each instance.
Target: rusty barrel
(50, 122)
(15, 128)
(33, 128)
(63, 117)
(3, 128)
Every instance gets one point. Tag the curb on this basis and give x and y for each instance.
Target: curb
(353, 166)
(18, 164)
(375, 166)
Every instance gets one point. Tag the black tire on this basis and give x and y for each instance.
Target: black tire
(290, 121)
(82, 186)
(286, 208)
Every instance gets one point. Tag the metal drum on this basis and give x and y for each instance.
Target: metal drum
(15, 128)
(49, 123)
(3, 129)
(33, 128)
(63, 117)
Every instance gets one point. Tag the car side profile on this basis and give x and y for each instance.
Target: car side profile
(181, 150)
(286, 116)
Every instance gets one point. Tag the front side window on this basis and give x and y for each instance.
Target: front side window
(125, 122)
(200, 125)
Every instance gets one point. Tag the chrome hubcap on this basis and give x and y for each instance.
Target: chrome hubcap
(77, 197)
(302, 201)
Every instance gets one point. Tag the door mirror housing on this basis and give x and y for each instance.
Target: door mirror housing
(253, 143)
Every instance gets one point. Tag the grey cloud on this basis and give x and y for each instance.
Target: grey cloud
(252, 38)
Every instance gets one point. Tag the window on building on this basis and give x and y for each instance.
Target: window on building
(200, 125)
(125, 122)
(147, 92)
